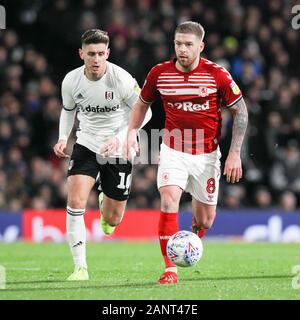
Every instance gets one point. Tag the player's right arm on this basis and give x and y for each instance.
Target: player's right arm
(148, 94)
(66, 120)
(138, 114)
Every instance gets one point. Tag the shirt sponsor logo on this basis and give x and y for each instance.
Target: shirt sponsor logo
(189, 106)
(99, 109)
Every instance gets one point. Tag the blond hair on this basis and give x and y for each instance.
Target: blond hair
(191, 27)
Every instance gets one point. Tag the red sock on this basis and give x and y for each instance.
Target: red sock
(201, 233)
(168, 225)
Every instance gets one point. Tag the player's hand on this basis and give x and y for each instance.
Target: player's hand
(131, 146)
(233, 167)
(60, 148)
(110, 147)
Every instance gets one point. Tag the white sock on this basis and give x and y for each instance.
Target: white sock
(76, 234)
(171, 269)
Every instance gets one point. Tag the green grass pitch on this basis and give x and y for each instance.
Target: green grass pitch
(121, 270)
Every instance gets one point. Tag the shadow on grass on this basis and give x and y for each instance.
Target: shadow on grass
(90, 284)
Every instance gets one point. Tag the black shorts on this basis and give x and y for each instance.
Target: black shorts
(114, 178)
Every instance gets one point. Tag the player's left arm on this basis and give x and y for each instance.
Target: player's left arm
(130, 91)
(133, 98)
(233, 163)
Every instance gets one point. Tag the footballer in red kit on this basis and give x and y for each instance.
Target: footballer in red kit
(192, 100)
(193, 91)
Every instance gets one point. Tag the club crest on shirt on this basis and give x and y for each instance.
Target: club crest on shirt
(109, 95)
(203, 92)
(165, 176)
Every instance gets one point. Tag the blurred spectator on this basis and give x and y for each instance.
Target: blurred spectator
(287, 201)
(274, 134)
(285, 173)
(15, 205)
(250, 38)
(232, 197)
(262, 198)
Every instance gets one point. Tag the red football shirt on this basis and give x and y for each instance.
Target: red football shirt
(192, 102)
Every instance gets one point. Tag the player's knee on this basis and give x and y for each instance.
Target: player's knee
(114, 221)
(76, 202)
(207, 223)
(114, 217)
(169, 204)
(170, 198)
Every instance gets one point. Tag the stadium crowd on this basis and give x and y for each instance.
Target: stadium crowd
(254, 40)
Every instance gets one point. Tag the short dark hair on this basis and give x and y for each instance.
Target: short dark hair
(94, 36)
(191, 27)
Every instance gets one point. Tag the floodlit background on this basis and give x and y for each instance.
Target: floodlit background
(255, 40)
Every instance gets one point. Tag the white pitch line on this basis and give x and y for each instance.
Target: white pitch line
(25, 269)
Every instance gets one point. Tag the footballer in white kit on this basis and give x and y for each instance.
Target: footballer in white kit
(103, 108)
(101, 94)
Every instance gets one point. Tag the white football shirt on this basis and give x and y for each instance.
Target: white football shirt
(103, 106)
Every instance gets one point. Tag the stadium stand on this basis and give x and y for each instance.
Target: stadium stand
(252, 39)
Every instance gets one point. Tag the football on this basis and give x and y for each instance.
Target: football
(184, 248)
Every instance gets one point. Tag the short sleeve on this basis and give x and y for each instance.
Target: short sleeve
(131, 91)
(66, 92)
(149, 91)
(229, 91)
